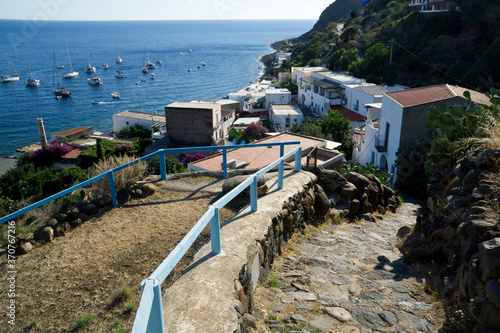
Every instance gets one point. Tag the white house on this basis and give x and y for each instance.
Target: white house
(432, 6)
(283, 116)
(145, 119)
(359, 95)
(401, 121)
(278, 96)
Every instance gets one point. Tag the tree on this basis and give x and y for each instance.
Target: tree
(340, 130)
(347, 58)
(255, 130)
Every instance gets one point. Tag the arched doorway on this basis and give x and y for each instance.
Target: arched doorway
(383, 162)
(303, 98)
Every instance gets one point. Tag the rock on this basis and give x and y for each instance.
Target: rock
(101, 202)
(466, 164)
(301, 296)
(470, 181)
(388, 192)
(414, 306)
(413, 241)
(59, 231)
(44, 233)
(352, 289)
(360, 181)
(77, 222)
(486, 313)
(477, 210)
(489, 255)
(261, 190)
(87, 208)
(322, 323)
(403, 231)
(74, 213)
(238, 306)
(493, 291)
(123, 196)
(233, 182)
(453, 184)
(373, 318)
(298, 318)
(51, 223)
(476, 228)
(420, 324)
(25, 248)
(370, 218)
(354, 207)
(322, 203)
(240, 294)
(331, 179)
(338, 313)
(148, 189)
(485, 189)
(348, 190)
(251, 321)
(278, 307)
(488, 159)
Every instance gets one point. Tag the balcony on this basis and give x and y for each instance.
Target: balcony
(381, 144)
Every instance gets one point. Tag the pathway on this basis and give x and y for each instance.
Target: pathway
(347, 278)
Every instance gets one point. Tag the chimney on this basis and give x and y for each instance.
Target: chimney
(41, 130)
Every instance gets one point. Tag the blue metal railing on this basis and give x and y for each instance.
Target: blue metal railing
(149, 317)
(163, 171)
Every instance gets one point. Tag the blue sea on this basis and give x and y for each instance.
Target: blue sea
(230, 49)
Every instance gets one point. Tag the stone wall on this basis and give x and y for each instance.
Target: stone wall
(459, 230)
(224, 283)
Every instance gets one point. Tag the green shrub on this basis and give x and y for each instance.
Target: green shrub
(65, 179)
(172, 165)
(135, 131)
(83, 320)
(382, 175)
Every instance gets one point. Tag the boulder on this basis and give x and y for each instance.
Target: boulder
(322, 203)
(123, 196)
(87, 208)
(74, 213)
(493, 291)
(485, 312)
(466, 164)
(489, 255)
(331, 179)
(370, 218)
(101, 202)
(360, 181)
(488, 159)
(349, 190)
(25, 248)
(148, 189)
(388, 192)
(44, 233)
(261, 190)
(470, 181)
(403, 231)
(354, 207)
(476, 228)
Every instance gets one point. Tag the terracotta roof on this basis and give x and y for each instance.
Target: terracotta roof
(71, 131)
(349, 114)
(73, 154)
(259, 157)
(424, 95)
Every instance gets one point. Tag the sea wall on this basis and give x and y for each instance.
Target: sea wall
(215, 293)
(459, 230)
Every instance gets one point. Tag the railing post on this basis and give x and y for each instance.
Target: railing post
(111, 178)
(155, 323)
(215, 232)
(298, 157)
(282, 150)
(281, 171)
(224, 162)
(253, 194)
(163, 165)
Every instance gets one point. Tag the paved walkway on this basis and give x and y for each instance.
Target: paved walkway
(347, 278)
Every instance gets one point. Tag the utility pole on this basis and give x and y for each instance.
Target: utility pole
(390, 59)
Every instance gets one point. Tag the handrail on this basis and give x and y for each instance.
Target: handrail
(149, 317)
(163, 172)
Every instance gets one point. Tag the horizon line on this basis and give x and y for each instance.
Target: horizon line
(159, 20)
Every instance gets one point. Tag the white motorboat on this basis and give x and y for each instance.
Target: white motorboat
(10, 77)
(31, 82)
(74, 72)
(89, 68)
(118, 59)
(105, 65)
(203, 63)
(115, 94)
(120, 75)
(152, 76)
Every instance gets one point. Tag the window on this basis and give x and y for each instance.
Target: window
(356, 106)
(372, 160)
(387, 131)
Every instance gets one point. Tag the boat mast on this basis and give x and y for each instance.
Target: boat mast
(55, 71)
(69, 58)
(29, 66)
(8, 62)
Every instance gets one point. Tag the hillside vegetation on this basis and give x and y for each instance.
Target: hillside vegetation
(458, 47)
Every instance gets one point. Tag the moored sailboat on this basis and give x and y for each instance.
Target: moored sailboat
(118, 59)
(10, 77)
(105, 65)
(31, 82)
(89, 68)
(74, 72)
(158, 61)
(60, 92)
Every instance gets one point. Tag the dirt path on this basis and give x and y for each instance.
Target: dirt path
(83, 272)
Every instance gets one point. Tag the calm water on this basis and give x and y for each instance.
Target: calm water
(230, 49)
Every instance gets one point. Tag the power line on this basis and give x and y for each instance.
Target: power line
(477, 62)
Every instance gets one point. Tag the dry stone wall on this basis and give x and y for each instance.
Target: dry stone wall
(459, 230)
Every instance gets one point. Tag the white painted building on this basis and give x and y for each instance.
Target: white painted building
(401, 122)
(147, 120)
(283, 116)
(359, 95)
(278, 96)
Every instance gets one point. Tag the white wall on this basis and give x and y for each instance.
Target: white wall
(278, 96)
(356, 96)
(281, 120)
(120, 122)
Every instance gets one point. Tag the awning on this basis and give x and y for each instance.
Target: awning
(257, 100)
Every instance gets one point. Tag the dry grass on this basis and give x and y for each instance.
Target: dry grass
(123, 178)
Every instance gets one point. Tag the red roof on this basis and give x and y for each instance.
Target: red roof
(349, 114)
(73, 154)
(424, 95)
(72, 131)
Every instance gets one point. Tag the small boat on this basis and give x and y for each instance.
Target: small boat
(145, 70)
(136, 82)
(143, 80)
(95, 102)
(115, 94)
(31, 82)
(10, 77)
(89, 68)
(203, 63)
(189, 50)
(149, 64)
(198, 66)
(60, 66)
(120, 75)
(182, 54)
(94, 80)
(72, 73)
(152, 76)
(59, 91)
(118, 59)
(189, 70)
